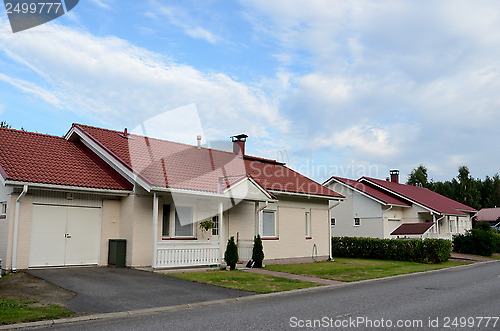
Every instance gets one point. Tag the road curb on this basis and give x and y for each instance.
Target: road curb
(149, 311)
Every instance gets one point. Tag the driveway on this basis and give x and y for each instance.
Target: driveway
(104, 290)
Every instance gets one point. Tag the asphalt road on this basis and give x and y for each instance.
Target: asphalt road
(428, 301)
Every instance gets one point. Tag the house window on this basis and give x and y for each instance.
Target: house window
(357, 222)
(165, 225)
(215, 229)
(183, 222)
(308, 224)
(332, 221)
(268, 224)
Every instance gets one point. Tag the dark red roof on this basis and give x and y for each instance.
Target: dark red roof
(373, 192)
(488, 214)
(39, 158)
(412, 229)
(422, 196)
(174, 165)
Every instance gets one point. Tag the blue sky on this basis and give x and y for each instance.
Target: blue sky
(347, 88)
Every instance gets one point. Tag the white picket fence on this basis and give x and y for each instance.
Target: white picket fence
(186, 256)
(245, 248)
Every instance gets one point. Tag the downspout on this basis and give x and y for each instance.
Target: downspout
(155, 229)
(383, 218)
(437, 224)
(257, 218)
(330, 229)
(16, 227)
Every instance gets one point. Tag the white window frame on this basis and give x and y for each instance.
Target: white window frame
(357, 220)
(308, 224)
(333, 221)
(215, 229)
(172, 234)
(275, 221)
(3, 208)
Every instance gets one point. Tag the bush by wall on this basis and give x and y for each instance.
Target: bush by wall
(477, 242)
(414, 250)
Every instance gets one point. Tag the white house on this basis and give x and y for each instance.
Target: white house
(387, 209)
(63, 198)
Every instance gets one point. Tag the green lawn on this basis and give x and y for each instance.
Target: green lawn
(17, 311)
(351, 270)
(496, 256)
(245, 281)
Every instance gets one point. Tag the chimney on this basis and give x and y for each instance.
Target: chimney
(394, 176)
(198, 138)
(125, 133)
(239, 144)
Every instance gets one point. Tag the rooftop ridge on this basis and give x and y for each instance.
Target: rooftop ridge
(32, 133)
(256, 158)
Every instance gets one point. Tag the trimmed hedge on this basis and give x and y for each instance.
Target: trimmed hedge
(414, 250)
(477, 242)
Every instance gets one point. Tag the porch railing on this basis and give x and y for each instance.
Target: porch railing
(186, 256)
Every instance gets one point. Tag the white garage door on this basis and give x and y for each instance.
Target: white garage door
(62, 236)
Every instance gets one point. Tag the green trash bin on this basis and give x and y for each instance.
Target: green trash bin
(117, 252)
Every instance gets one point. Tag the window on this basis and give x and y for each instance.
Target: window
(332, 221)
(308, 224)
(183, 222)
(183, 225)
(268, 224)
(357, 222)
(165, 225)
(215, 229)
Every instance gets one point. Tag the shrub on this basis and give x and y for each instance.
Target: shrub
(231, 255)
(257, 252)
(414, 250)
(477, 242)
(482, 226)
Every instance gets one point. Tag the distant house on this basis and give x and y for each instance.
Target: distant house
(490, 215)
(63, 198)
(387, 209)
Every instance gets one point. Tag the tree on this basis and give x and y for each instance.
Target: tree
(231, 255)
(257, 252)
(5, 125)
(467, 191)
(419, 177)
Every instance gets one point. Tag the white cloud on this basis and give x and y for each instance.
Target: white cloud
(122, 84)
(181, 18)
(32, 89)
(368, 67)
(105, 4)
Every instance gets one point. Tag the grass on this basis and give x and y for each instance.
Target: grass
(18, 311)
(245, 281)
(496, 256)
(351, 270)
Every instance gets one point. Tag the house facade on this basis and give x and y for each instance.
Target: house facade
(62, 199)
(387, 209)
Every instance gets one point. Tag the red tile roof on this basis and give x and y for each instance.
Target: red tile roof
(373, 192)
(174, 165)
(422, 196)
(412, 229)
(488, 214)
(39, 158)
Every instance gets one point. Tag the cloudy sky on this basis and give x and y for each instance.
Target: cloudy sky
(346, 88)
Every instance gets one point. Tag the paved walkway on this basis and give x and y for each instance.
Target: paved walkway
(468, 257)
(293, 276)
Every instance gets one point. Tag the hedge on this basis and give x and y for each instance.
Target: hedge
(413, 250)
(477, 242)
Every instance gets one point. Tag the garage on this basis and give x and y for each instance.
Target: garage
(65, 236)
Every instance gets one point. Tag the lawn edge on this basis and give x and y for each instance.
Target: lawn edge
(149, 311)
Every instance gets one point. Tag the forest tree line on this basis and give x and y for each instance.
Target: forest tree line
(473, 192)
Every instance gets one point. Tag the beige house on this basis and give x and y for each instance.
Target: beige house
(387, 209)
(62, 199)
